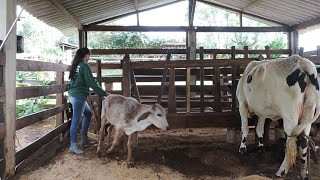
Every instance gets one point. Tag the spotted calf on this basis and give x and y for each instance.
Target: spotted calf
(128, 116)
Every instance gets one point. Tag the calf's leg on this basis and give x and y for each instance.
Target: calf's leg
(101, 135)
(117, 136)
(109, 130)
(129, 145)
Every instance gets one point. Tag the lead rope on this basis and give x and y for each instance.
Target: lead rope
(313, 146)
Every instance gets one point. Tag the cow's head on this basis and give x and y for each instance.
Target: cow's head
(158, 117)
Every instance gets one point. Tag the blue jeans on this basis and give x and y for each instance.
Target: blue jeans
(80, 107)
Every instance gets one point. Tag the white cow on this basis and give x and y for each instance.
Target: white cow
(128, 116)
(284, 88)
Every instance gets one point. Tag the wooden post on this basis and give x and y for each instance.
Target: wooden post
(85, 38)
(318, 51)
(201, 81)
(268, 54)
(80, 36)
(126, 80)
(59, 96)
(294, 42)
(99, 78)
(217, 87)
(188, 79)
(301, 51)
(172, 92)
(234, 75)
(135, 87)
(192, 55)
(164, 79)
(7, 17)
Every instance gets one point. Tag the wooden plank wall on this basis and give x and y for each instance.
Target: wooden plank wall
(213, 65)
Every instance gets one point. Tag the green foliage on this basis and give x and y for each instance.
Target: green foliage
(212, 16)
(26, 107)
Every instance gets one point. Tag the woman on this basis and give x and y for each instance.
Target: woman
(81, 80)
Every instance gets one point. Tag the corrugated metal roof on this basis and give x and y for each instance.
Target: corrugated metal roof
(290, 12)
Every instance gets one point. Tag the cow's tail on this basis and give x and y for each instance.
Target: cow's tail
(104, 109)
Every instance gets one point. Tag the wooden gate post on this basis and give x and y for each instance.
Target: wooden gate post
(7, 17)
(59, 96)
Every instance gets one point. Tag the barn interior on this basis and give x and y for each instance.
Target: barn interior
(196, 85)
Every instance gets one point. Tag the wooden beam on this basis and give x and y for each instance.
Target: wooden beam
(133, 12)
(7, 18)
(242, 29)
(189, 64)
(185, 28)
(36, 117)
(178, 51)
(35, 91)
(251, 4)
(29, 65)
(136, 7)
(245, 13)
(306, 24)
(200, 120)
(60, 9)
(192, 6)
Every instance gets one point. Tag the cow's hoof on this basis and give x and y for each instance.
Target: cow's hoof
(130, 164)
(306, 178)
(243, 150)
(281, 174)
(262, 149)
(99, 154)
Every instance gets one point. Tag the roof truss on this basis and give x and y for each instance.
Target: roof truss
(66, 14)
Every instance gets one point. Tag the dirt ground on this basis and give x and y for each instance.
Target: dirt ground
(173, 155)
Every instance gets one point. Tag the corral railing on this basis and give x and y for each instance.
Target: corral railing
(53, 140)
(213, 82)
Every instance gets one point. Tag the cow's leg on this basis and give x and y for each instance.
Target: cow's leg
(101, 135)
(117, 136)
(289, 124)
(109, 130)
(244, 127)
(260, 132)
(303, 148)
(129, 145)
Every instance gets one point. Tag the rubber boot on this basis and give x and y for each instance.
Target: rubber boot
(74, 149)
(85, 141)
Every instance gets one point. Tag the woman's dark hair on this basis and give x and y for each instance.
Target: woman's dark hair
(76, 60)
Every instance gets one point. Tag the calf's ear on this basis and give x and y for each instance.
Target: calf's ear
(144, 116)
